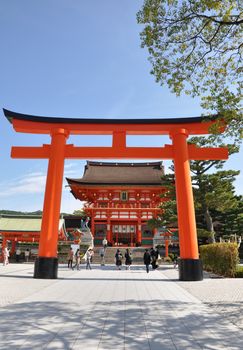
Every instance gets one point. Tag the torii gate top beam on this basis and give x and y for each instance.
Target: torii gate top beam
(85, 126)
(119, 129)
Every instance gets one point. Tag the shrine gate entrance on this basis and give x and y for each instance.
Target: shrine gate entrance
(178, 129)
(124, 234)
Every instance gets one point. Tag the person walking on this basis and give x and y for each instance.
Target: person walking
(176, 261)
(154, 256)
(147, 259)
(102, 256)
(77, 260)
(128, 259)
(118, 259)
(89, 255)
(70, 258)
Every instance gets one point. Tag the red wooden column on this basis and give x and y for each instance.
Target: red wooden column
(93, 223)
(190, 266)
(47, 262)
(13, 247)
(108, 231)
(139, 230)
(166, 247)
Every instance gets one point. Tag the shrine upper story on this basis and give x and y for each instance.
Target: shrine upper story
(119, 185)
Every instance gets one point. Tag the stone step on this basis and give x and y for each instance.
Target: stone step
(137, 254)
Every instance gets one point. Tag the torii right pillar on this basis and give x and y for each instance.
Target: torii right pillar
(190, 266)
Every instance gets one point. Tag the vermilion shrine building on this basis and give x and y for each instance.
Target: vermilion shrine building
(120, 198)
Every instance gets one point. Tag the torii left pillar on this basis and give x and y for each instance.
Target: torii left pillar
(46, 265)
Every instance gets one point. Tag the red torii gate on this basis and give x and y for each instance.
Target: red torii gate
(59, 129)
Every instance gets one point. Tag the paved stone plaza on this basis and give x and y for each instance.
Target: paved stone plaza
(109, 309)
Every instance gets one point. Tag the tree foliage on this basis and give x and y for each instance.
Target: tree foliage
(230, 221)
(196, 47)
(79, 213)
(214, 197)
(212, 191)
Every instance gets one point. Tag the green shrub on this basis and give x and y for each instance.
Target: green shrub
(239, 272)
(220, 258)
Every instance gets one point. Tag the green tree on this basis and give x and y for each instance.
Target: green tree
(213, 191)
(196, 47)
(230, 221)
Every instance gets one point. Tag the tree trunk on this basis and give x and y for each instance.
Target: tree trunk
(209, 224)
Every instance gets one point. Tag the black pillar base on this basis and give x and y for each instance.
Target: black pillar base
(190, 270)
(46, 268)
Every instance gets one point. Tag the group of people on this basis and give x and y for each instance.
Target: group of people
(76, 259)
(150, 257)
(6, 255)
(119, 257)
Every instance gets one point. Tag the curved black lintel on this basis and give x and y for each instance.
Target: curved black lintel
(10, 115)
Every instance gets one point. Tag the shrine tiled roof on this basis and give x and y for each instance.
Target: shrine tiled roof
(120, 173)
(25, 223)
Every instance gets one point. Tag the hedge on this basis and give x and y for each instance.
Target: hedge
(220, 258)
(239, 272)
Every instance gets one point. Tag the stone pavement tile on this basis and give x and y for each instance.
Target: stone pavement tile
(44, 315)
(159, 315)
(223, 295)
(210, 289)
(109, 309)
(113, 330)
(213, 333)
(178, 316)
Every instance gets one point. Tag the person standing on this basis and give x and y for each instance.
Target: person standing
(104, 243)
(102, 256)
(5, 256)
(89, 255)
(27, 255)
(118, 259)
(147, 259)
(70, 258)
(17, 254)
(128, 259)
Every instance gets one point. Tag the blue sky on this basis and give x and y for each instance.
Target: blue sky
(79, 59)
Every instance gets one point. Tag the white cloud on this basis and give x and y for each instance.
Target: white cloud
(15, 194)
(29, 183)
